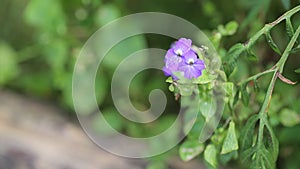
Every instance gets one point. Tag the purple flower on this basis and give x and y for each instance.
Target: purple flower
(172, 62)
(182, 46)
(191, 66)
(181, 58)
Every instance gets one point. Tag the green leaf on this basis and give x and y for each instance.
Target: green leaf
(190, 149)
(56, 52)
(263, 159)
(204, 78)
(247, 133)
(230, 59)
(210, 155)
(273, 143)
(228, 86)
(229, 92)
(208, 107)
(169, 80)
(236, 97)
(8, 63)
(297, 70)
(53, 18)
(196, 130)
(171, 88)
(245, 94)
(271, 43)
(289, 27)
(231, 27)
(289, 117)
(230, 144)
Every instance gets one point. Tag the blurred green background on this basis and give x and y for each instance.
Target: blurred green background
(41, 39)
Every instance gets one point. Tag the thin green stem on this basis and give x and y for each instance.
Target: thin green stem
(256, 76)
(280, 64)
(269, 26)
(264, 108)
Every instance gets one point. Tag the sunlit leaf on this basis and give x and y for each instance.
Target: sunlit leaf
(230, 143)
(204, 78)
(190, 149)
(231, 27)
(210, 155)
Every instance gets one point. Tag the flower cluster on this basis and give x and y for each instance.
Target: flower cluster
(182, 58)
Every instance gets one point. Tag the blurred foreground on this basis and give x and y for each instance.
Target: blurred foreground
(36, 135)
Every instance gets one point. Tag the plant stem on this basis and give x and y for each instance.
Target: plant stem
(254, 77)
(280, 64)
(262, 113)
(278, 70)
(269, 26)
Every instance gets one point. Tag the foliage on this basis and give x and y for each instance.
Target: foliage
(40, 40)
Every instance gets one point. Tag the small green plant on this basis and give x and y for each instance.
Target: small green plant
(254, 143)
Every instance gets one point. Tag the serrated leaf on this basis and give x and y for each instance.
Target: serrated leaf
(289, 27)
(262, 159)
(246, 137)
(190, 149)
(210, 155)
(271, 43)
(274, 142)
(230, 59)
(297, 70)
(230, 143)
(245, 94)
(289, 117)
